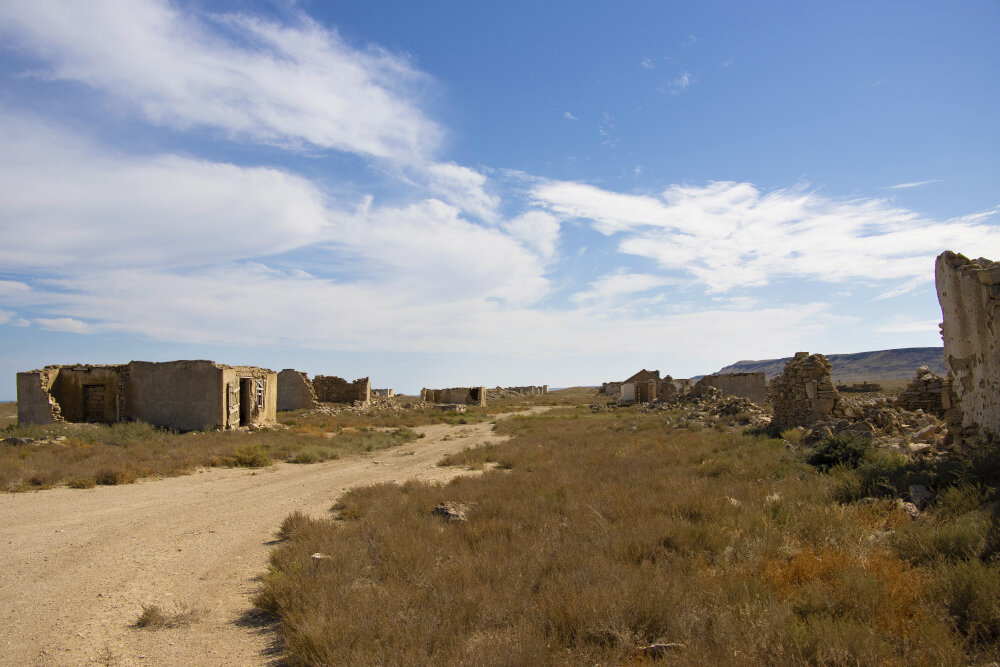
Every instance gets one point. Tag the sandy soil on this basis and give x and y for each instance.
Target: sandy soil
(76, 566)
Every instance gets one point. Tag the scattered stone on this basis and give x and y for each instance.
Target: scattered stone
(452, 511)
(909, 509)
(17, 441)
(451, 407)
(657, 651)
(319, 556)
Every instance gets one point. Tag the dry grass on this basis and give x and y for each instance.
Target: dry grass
(8, 414)
(91, 454)
(154, 617)
(605, 533)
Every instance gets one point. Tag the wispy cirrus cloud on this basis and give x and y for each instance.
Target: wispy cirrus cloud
(727, 234)
(914, 184)
(295, 85)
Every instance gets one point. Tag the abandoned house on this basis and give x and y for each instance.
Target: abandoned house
(462, 395)
(184, 395)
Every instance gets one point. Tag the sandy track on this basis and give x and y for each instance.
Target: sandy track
(76, 565)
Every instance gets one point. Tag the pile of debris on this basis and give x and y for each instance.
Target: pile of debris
(887, 424)
(376, 406)
(710, 407)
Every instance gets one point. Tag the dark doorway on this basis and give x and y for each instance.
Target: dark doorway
(246, 401)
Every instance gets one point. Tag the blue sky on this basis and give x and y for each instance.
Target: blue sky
(442, 194)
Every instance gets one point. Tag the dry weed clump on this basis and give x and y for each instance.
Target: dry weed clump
(154, 617)
(611, 533)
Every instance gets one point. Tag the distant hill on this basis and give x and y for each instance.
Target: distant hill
(898, 364)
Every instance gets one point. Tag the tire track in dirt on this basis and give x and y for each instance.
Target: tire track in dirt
(76, 566)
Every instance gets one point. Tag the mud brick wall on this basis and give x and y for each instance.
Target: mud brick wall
(804, 394)
(333, 389)
(969, 292)
(751, 386)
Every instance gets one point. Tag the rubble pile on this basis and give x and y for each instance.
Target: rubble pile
(887, 424)
(711, 407)
(927, 392)
(377, 405)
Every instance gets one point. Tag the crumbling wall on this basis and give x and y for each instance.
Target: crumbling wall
(383, 393)
(751, 386)
(969, 292)
(924, 392)
(463, 395)
(295, 391)
(35, 405)
(332, 389)
(804, 394)
(530, 390)
(611, 389)
(87, 392)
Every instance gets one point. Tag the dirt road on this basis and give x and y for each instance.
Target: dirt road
(76, 566)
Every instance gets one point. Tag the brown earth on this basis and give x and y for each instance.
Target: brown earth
(76, 565)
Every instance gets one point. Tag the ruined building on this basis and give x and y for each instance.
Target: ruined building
(751, 386)
(928, 391)
(461, 395)
(803, 394)
(332, 389)
(969, 292)
(295, 391)
(184, 395)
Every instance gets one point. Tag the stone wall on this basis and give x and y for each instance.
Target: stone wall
(613, 389)
(639, 391)
(462, 395)
(803, 394)
(383, 393)
(969, 292)
(751, 386)
(924, 392)
(531, 390)
(332, 389)
(295, 391)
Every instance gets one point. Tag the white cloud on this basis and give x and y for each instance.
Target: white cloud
(682, 82)
(619, 284)
(728, 234)
(905, 326)
(67, 324)
(293, 85)
(914, 184)
(646, 63)
(66, 202)
(462, 187)
(568, 116)
(538, 230)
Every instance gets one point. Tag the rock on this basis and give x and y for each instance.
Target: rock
(452, 511)
(17, 441)
(908, 508)
(657, 651)
(920, 496)
(319, 556)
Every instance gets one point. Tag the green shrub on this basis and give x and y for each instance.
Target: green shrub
(848, 449)
(251, 456)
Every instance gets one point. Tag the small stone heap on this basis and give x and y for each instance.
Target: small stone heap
(927, 392)
(804, 394)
